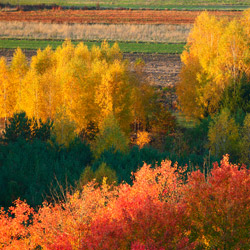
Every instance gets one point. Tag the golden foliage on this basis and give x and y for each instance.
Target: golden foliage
(142, 139)
(8, 91)
(216, 55)
(88, 85)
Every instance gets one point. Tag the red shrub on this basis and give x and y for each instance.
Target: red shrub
(157, 212)
(219, 207)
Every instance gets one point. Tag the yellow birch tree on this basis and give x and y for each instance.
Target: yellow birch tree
(8, 91)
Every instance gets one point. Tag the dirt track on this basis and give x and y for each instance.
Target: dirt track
(161, 69)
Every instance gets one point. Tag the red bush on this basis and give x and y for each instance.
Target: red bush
(159, 211)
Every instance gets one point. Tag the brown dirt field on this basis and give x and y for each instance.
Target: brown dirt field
(161, 70)
(110, 16)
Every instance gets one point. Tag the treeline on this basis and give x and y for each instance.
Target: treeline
(33, 7)
(30, 7)
(79, 88)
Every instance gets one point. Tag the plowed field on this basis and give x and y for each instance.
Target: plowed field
(110, 16)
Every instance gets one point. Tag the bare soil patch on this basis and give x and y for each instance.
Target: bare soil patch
(161, 70)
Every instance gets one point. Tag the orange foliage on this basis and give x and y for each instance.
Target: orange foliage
(142, 139)
(219, 206)
(159, 211)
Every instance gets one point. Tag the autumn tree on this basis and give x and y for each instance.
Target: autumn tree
(196, 89)
(223, 135)
(8, 91)
(214, 212)
(236, 96)
(110, 137)
(63, 129)
(48, 93)
(142, 138)
(245, 142)
(144, 98)
(216, 56)
(89, 85)
(18, 68)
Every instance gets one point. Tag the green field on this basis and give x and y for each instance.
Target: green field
(159, 4)
(125, 46)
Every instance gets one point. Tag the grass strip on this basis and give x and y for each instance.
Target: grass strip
(136, 4)
(129, 47)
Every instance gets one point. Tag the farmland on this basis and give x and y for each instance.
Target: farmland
(147, 31)
(158, 37)
(154, 4)
(153, 33)
(110, 16)
(129, 47)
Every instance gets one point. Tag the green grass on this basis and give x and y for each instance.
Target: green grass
(160, 4)
(124, 46)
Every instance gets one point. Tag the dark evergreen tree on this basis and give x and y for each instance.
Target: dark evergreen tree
(20, 126)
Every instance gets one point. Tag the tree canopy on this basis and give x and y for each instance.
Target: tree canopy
(216, 57)
(85, 85)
